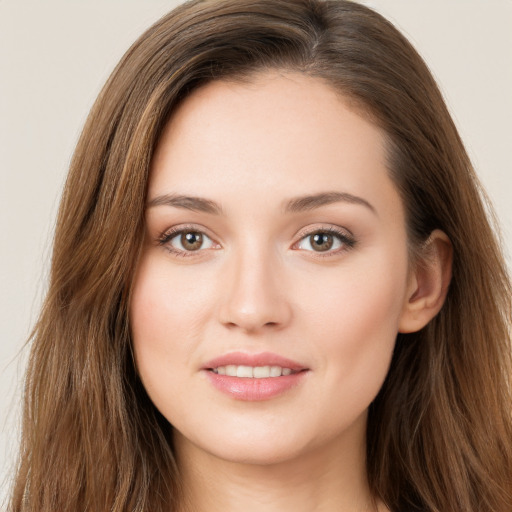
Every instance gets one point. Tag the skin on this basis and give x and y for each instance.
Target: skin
(259, 284)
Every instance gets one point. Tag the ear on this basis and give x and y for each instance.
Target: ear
(428, 283)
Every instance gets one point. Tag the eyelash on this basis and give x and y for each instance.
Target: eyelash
(346, 239)
(167, 236)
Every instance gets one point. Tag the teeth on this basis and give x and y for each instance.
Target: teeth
(260, 372)
(256, 372)
(231, 370)
(244, 371)
(275, 371)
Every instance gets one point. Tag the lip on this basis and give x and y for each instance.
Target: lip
(252, 389)
(261, 359)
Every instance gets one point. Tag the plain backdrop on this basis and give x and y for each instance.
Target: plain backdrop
(54, 58)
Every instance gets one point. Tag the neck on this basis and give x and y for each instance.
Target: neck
(329, 478)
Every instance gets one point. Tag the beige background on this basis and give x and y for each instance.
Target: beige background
(54, 57)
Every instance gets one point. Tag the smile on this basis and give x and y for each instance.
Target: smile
(252, 372)
(254, 377)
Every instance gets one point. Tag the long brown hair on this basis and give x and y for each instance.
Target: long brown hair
(439, 432)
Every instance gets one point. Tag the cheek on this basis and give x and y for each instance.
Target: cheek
(165, 320)
(354, 321)
(167, 303)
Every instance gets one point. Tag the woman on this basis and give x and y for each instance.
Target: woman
(274, 283)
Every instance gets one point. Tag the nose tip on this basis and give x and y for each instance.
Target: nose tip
(249, 322)
(255, 299)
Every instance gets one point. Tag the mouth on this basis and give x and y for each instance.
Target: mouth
(256, 366)
(254, 377)
(253, 372)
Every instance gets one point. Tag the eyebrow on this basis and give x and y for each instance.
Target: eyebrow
(310, 202)
(295, 205)
(197, 204)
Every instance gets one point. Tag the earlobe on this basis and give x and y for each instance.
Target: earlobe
(428, 283)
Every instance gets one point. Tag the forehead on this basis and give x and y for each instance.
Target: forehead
(279, 133)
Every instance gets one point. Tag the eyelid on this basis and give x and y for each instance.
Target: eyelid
(166, 236)
(345, 236)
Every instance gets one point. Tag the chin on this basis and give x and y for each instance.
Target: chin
(256, 454)
(245, 446)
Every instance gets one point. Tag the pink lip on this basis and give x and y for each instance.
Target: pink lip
(261, 359)
(252, 389)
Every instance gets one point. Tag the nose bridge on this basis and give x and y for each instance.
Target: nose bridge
(254, 296)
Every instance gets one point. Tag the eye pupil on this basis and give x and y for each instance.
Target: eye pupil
(191, 241)
(321, 241)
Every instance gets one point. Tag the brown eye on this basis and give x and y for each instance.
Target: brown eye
(191, 241)
(321, 241)
(328, 241)
(186, 241)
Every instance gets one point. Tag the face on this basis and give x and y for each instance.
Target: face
(274, 274)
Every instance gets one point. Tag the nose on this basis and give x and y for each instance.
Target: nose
(255, 297)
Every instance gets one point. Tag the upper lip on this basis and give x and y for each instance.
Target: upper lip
(261, 359)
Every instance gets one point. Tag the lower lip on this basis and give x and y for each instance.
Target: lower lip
(245, 388)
